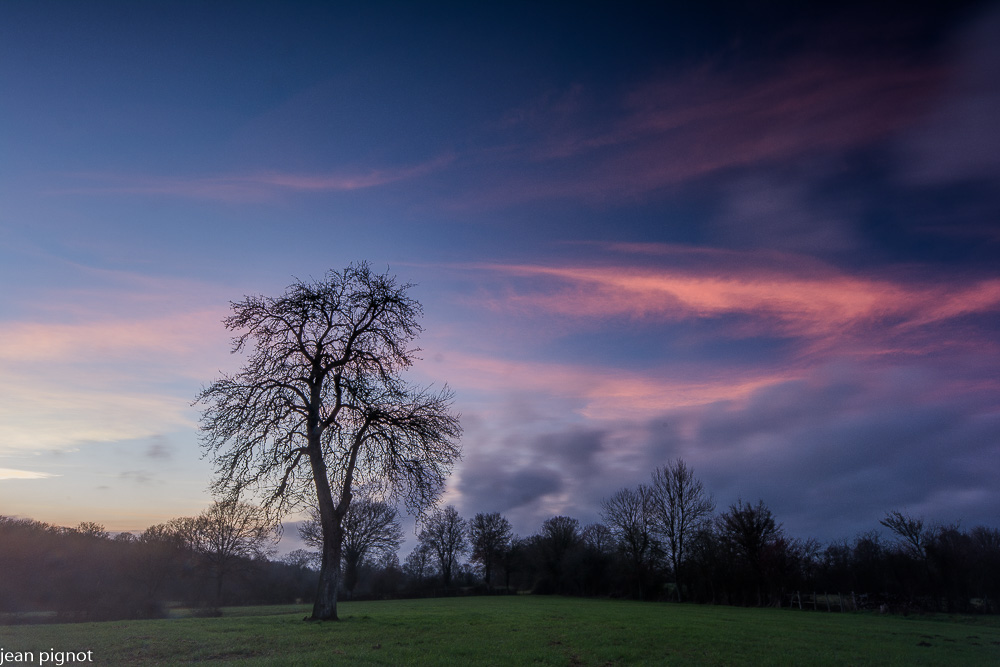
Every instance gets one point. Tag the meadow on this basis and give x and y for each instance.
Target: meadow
(522, 630)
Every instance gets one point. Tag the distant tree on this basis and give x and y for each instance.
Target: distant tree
(300, 558)
(750, 530)
(92, 529)
(681, 507)
(599, 537)
(444, 535)
(951, 561)
(489, 538)
(986, 566)
(909, 531)
(512, 560)
(371, 532)
(419, 564)
(599, 551)
(226, 535)
(629, 515)
(554, 546)
(321, 408)
(159, 554)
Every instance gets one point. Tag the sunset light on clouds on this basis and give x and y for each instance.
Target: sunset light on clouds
(763, 240)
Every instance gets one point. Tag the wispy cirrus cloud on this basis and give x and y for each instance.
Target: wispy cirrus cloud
(602, 392)
(674, 129)
(13, 473)
(108, 338)
(819, 302)
(253, 187)
(108, 363)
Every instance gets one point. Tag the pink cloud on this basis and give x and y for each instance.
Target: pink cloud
(117, 360)
(799, 298)
(603, 393)
(256, 186)
(173, 336)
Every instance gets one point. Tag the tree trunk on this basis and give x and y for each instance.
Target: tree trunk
(676, 562)
(325, 606)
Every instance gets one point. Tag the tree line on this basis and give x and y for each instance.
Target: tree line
(221, 556)
(665, 541)
(662, 541)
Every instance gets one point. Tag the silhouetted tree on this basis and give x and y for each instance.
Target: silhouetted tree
(320, 407)
(750, 530)
(92, 529)
(227, 534)
(160, 553)
(554, 547)
(301, 558)
(599, 537)
(444, 535)
(629, 515)
(681, 506)
(599, 546)
(512, 560)
(419, 564)
(909, 532)
(489, 538)
(986, 567)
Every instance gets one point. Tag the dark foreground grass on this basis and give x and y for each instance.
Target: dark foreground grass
(524, 630)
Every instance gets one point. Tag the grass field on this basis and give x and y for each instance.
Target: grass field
(523, 630)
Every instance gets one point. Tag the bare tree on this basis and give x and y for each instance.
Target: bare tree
(371, 532)
(750, 530)
(159, 550)
(489, 537)
(599, 537)
(444, 535)
(909, 531)
(628, 513)
(555, 545)
(92, 529)
(320, 408)
(681, 506)
(418, 564)
(226, 534)
(301, 558)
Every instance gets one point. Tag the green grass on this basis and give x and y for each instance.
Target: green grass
(525, 630)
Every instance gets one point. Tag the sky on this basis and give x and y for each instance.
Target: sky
(760, 237)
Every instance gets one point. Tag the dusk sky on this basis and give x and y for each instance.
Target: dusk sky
(762, 237)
